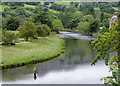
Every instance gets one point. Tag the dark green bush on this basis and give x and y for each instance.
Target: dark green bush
(43, 30)
(9, 37)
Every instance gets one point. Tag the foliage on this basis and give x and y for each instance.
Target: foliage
(105, 7)
(44, 18)
(83, 27)
(57, 25)
(27, 30)
(89, 11)
(88, 18)
(105, 23)
(106, 44)
(43, 30)
(32, 3)
(11, 23)
(70, 19)
(101, 16)
(93, 26)
(20, 11)
(58, 7)
(8, 37)
(85, 6)
(13, 3)
(39, 8)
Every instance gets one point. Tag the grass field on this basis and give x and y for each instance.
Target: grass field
(2, 7)
(26, 51)
(62, 3)
(51, 10)
(115, 8)
(29, 6)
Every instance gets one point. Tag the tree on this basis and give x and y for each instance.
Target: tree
(106, 7)
(106, 44)
(44, 18)
(8, 37)
(88, 18)
(43, 30)
(39, 8)
(101, 16)
(27, 30)
(20, 11)
(57, 25)
(46, 3)
(93, 26)
(83, 27)
(105, 23)
(12, 23)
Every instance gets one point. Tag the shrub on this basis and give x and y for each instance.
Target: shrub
(43, 30)
(9, 37)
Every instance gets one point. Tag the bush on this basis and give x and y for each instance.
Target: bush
(9, 37)
(43, 30)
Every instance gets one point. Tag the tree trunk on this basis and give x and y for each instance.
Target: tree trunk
(26, 39)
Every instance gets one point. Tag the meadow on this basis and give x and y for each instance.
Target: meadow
(32, 50)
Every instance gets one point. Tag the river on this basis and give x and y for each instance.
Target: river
(71, 67)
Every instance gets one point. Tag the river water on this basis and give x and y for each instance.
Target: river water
(72, 67)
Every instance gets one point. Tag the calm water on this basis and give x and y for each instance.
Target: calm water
(72, 67)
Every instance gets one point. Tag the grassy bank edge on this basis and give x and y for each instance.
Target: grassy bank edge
(34, 61)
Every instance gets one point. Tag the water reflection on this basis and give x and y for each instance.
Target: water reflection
(35, 73)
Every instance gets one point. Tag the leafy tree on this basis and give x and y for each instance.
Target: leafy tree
(32, 3)
(46, 3)
(11, 23)
(101, 16)
(105, 7)
(9, 37)
(88, 18)
(27, 30)
(83, 27)
(69, 19)
(44, 18)
(105, 23)
(106, 44)
(89, 11)
(86, 5)
(46, 10)
(93, 26)
(58, 7)
(76, 4)
(13, 3)
(20, 11)
(43, 30)
(39, 9)
(57, 25)
(71, 9)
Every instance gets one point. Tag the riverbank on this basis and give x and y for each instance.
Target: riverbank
(32, 51)
(95, 34)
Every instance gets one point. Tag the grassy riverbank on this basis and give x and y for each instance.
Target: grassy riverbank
(32, 51)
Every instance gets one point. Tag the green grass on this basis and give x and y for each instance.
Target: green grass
(97, 8)
(29, 6)
(2, 7)
(51, 10)
(115, 8)
(26, 51)
(63, 3)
